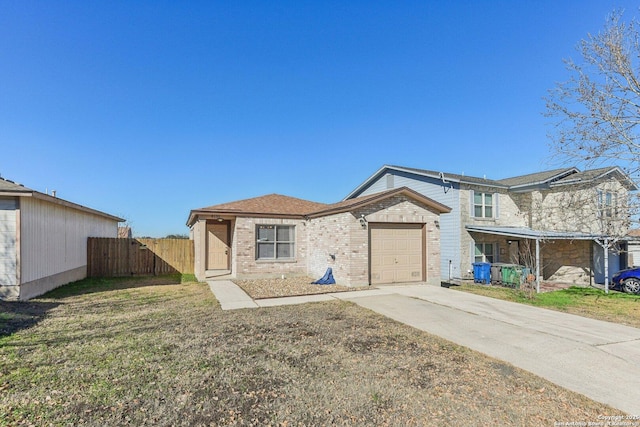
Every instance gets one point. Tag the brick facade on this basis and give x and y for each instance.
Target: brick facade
(337, 240)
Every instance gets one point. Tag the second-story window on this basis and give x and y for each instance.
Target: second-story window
(607, 204)
(482, 205)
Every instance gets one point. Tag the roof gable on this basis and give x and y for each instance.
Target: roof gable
(443, 176)
(358, 202)
(592, 175)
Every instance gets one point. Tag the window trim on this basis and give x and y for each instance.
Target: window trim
(276, 242)
(483, 251)
(483, 206)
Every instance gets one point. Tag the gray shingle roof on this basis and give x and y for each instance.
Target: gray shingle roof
(452, 176)
(593, 174)
(537, 178)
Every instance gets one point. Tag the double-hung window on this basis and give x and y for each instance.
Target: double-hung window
(483, 205)
(275, 242)
(607, 204)
(483, 252)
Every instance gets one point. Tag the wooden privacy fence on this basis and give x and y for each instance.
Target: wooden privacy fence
(108, 257)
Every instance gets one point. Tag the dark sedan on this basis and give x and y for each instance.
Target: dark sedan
(627, 280)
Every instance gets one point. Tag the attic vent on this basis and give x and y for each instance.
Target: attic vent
(390, 183)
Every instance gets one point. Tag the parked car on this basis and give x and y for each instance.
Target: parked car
(627, 280)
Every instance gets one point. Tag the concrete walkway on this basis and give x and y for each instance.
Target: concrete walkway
(600, 360)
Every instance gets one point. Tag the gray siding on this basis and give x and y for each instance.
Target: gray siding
(8, 252)
(450, 227)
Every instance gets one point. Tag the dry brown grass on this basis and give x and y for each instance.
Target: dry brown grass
(168, 355)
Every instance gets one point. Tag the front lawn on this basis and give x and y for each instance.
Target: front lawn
(140, 352)
(615, 306)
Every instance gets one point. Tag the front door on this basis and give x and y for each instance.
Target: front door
(218, 246)
(514, 251)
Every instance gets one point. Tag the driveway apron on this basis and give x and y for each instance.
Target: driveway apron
(600, 360)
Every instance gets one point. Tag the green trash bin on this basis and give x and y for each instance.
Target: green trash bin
(512, 275)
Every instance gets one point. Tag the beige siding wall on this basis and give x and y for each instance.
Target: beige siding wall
(53, 238)
(244, 263)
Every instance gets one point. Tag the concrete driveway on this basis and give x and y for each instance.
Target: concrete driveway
(600, 360)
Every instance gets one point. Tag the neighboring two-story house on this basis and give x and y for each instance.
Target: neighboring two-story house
(556, 221)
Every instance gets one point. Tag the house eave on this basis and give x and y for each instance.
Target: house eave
(440, 175)
(528, 233)
(232, 214)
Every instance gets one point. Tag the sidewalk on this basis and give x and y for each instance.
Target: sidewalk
(600, 360)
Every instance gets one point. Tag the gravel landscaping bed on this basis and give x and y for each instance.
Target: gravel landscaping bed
(289, 286)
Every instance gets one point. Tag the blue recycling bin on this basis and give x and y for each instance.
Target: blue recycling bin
(481, 272)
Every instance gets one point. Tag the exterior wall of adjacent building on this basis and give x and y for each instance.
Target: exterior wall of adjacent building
(51, 245)
(506, 213)
(577, 209)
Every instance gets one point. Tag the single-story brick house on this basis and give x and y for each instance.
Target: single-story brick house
(388, 237)
(43, 240)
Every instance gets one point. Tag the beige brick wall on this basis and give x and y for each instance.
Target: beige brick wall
(244, 263)
(343, 236)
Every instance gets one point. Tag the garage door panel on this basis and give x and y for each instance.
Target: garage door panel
(397, 253)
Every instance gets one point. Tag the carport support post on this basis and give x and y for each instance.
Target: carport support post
(538, 277)
(605, 247)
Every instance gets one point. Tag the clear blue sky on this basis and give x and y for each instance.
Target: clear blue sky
(147, 109)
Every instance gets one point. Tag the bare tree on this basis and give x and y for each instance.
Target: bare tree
(597, 111)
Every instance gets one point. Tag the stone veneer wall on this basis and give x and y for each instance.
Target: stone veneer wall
(567, 261)
(509, 214)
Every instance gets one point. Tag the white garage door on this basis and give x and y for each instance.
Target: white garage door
(396, 253)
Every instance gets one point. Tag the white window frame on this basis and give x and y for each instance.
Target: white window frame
(484, 256)
(607, 204)
(483, 205)
(275, 242)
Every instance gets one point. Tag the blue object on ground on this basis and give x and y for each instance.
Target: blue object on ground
(327, 279)
(482, 272)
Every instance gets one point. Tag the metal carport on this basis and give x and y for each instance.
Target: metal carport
(538, 235)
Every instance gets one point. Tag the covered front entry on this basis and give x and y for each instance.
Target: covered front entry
(218, 245)
(397, 253)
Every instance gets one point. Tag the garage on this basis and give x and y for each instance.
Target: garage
(397, 253)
